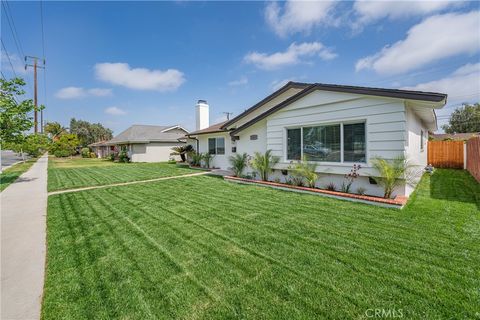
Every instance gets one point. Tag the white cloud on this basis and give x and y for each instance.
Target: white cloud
(437, 37)
(70, 93)
(99, 92)
(461, 86)
(289, 57)
(299, 16)
(139, 78)
(115, 111)
(79, 92)
(369, 11)
(239, 82)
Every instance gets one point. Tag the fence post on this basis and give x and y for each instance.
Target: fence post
(465, 155)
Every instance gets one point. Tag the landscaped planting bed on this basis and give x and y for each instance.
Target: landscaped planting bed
(75, 173)
(398, 202)
(204, 248)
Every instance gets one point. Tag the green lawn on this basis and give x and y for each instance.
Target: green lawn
(9, 175)
(203, 248)
(69, 173)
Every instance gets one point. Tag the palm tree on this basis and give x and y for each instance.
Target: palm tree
(391, 173)
(239, 163)
(182, 151)
(264, 163)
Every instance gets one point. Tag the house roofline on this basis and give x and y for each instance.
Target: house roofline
(379, 92)
(287, 86)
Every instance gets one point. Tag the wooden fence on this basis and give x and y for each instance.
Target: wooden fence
(445, 154)
(473, 157)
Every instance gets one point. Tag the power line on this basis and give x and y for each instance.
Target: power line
(13, 29)
(8, 57)
(44, 68)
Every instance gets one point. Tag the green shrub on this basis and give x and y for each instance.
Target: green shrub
(239, 163)
(61, 153)
(93, 155)
(123, 156)
(85, 152)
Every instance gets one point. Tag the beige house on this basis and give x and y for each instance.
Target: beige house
(147, 143)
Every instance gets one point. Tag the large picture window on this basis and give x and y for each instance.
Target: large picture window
(324, 143)
(216, 145)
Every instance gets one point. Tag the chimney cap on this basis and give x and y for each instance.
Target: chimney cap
(202, 101)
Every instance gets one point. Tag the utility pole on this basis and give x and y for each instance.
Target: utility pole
(228, 114)
(35, 89)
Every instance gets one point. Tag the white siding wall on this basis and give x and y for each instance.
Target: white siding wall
(152, 152)
(251, 146)
(219, 161)
(413, 150)
(385, 128)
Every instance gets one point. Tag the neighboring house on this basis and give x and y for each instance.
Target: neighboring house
(333, 125)
(146, 143)
(453, 136)
(101, 149)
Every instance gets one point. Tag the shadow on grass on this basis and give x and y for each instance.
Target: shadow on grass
(455, 185)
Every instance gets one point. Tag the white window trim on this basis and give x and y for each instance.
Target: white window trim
(216, 145)
(341, 123)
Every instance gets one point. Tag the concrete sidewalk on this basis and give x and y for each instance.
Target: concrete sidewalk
(23, 228)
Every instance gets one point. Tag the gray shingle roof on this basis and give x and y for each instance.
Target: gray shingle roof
(146, 133)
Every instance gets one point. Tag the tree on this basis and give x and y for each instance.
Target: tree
(54, 129)
(66, 145)
(35, 144)
(464, 119)
(89, 132)
(182, 151)
(14, 117)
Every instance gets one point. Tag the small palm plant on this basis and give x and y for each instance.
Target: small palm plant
(196, 159)
(207, 159)
(391, 173)
(307, 171)
(239, 163)
(264, 163)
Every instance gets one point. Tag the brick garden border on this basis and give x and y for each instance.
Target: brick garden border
(398, 202)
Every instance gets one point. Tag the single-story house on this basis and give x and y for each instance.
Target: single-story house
(453, 136)
(335, 126)
(101, 149)
(146, 143)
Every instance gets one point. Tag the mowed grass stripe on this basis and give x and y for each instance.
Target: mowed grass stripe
(387, 250)
(368, 268)
(263, 253)
(239, 246)
(61, 176)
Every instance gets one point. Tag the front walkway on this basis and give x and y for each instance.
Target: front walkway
(23, 227)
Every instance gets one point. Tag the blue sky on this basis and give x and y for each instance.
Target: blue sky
(123, 63)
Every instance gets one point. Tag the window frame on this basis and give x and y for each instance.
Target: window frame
(342, 162)
(216, 145)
